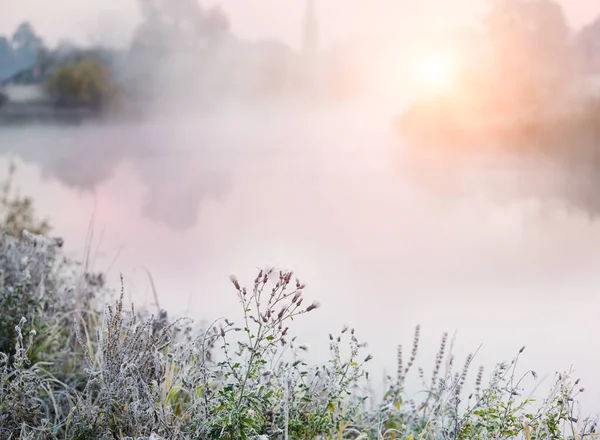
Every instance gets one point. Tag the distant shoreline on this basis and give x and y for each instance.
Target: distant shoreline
(21, 114)
(12, 114)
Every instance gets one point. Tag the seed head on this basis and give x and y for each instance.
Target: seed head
(235, 282)
(313, 306)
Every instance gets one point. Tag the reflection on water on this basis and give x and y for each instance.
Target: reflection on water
(330, 197)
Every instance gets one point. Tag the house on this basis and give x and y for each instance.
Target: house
(28, 103)
(28, 93)
(24, 87)
(28, 76)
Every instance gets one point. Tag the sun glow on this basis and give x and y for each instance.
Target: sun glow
(434, 73)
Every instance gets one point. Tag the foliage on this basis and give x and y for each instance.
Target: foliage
(83, 82)
(14, 302)
(77, 369)
(17, 212)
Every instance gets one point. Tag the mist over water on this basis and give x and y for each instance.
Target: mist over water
(382, 243)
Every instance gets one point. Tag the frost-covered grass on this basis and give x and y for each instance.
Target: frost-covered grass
(73, 368)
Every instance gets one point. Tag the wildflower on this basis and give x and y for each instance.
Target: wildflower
(368, 358)
(314, 305)
(480, 379)
(304, 347)
(399, 362)
(235, 282)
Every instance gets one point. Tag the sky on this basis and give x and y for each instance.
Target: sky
(112, 20)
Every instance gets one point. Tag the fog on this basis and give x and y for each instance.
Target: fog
(113, 20)
(379, 251)
(330, 191)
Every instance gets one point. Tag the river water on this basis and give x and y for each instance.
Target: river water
(384, 245)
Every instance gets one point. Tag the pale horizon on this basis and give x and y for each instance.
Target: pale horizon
(112, 21)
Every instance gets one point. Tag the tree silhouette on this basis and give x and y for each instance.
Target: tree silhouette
(26, 45)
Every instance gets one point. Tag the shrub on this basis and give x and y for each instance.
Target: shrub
(16, 212)
(85, 82)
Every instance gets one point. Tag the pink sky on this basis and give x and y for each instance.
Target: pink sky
(113, 19)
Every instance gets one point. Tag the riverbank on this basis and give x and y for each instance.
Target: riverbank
(23, 114)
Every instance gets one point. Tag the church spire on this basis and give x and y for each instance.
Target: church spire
(311, 30)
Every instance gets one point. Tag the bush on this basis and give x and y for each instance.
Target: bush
(16, 212)
(86, 82)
